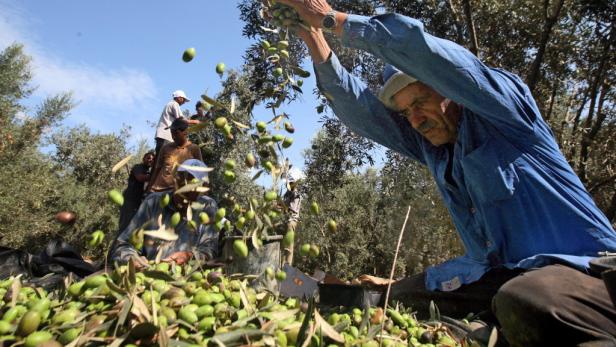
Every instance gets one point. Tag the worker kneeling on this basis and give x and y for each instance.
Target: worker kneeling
(168, 225)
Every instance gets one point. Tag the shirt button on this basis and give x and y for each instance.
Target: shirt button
(488, 244)
(473, 210)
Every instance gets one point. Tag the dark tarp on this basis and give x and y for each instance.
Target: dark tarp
(46, 269)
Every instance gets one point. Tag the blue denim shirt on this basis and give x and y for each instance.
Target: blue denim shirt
(203, 242)
(513, 198)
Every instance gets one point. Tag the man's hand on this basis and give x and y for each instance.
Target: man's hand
(140, 262)
(311, 11)
(179, 257)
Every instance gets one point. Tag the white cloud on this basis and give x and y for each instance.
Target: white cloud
(117, 88)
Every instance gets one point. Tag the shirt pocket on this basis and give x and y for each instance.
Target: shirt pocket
(490, 171)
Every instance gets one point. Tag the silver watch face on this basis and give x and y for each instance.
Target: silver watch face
(329, 22)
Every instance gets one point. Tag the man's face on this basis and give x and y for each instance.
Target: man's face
(180, 100)
(179, 136)
(425, 110)
(200, 111)
(148, 159)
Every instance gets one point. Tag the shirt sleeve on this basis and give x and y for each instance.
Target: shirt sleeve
(123, 249)
(358, 108)
(498, 96)
(176, 111)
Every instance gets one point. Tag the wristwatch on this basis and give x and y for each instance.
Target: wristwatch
(329, 21)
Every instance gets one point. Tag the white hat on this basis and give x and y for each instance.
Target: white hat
(295, 175)
(180, 94)
(395, 80)
(195, 167)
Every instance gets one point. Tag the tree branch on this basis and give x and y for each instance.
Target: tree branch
(468, 12)
(549, 21)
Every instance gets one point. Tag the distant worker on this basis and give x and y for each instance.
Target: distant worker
(203, 110)
(171, 155)
(133, 194)
(193, 238)
(204, 115)
(292, 200)
(170, 113)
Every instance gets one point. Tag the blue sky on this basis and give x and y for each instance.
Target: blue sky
(122, 59)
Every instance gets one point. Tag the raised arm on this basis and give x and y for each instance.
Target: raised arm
(450, 69)
(498, 96)
(354, 103)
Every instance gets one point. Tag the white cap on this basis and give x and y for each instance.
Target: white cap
(180, 94)
(395, 80)
(196, 168)
(295, 175)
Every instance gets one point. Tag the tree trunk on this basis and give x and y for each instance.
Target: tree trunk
(611, 210)
(548, 114)
(576, 122)
(468, 12)
(549, 21)
(591, 131)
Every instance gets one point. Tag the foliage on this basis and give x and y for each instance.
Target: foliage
(370, 209)
(75, 175)
(563, 49)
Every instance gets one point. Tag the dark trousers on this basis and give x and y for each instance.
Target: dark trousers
(554, 305)
(159, 144)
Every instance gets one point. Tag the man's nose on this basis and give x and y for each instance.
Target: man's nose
(416, 119)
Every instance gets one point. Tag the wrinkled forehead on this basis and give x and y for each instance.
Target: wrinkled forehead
(409, 93)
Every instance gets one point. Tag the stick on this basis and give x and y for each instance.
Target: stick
(391, 274)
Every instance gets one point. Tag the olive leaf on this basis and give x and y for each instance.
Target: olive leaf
(197, 187)
(15, 288)
(194, 128)
(162, 234)
(435, 314)
(232, 106)
(126, 304)
(235, 336)
(240, 125)
(189, 213)
(213, 102)
(130, 273)
(257, 175)
(327, 329)
(300, 72)
(279, 315)
(140, 310)
(301, 335)
(255, 240)
(269, 30)
(244, 298)
(115, 288)
(196, 168)
(121, 163)
(493, 338)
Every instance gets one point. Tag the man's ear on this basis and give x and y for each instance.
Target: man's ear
(452, 113)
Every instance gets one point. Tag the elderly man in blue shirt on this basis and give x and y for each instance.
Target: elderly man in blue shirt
(515, 201)
(159, 238)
